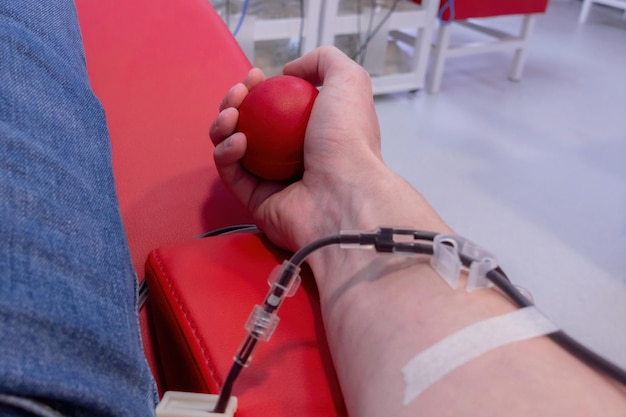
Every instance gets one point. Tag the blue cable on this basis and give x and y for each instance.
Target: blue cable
(244, 9)
(448, 5)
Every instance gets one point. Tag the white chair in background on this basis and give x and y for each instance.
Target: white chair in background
(584, 13)
(474, 15)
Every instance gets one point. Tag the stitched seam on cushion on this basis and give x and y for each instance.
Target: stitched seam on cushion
(189, 321)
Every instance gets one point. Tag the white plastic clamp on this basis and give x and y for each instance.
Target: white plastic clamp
(188, 404)
(448, 253)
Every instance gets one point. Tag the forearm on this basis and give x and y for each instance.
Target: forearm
(381, 310)
(389, 310)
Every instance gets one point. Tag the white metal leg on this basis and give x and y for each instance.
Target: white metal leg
(328, 22)
(520, 53)
(423, 44)
(313, 11)
(440, 51)
(584, 12)
(502, 41)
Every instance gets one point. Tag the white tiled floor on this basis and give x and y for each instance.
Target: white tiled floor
(534, 171)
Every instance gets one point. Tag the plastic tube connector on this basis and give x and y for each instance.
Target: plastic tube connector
(383, 239)
(353, 239)
(261, 324)
(188, 404)
(449, 254)
(284, 282)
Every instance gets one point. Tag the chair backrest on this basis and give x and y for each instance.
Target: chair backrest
(469, 9)
(160, 69)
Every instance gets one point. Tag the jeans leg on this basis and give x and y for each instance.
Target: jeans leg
(69, 333)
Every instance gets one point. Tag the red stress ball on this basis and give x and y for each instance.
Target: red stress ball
(274, 116)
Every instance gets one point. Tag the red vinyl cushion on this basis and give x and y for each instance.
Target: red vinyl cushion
(469, 9)
(160, 69)
(202, 293)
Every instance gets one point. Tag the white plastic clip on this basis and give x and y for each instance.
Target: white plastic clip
(448, 254)
(188, 404)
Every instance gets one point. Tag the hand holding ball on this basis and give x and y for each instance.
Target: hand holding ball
(274, 116)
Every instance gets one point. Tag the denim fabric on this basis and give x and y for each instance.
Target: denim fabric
(69, 333)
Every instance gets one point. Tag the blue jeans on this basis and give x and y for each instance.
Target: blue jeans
(69, 333)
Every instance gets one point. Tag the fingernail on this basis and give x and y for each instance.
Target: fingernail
(227, 142)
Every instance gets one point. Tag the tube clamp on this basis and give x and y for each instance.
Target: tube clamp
(452, 252)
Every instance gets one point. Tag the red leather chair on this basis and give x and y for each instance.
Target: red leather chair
(160, 69)
(463, 12)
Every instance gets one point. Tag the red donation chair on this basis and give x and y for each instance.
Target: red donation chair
(463, 13)
(160, 69)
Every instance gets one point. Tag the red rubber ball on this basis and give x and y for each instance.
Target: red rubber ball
(274, 116)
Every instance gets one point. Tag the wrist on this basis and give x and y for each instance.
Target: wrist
(381, 199)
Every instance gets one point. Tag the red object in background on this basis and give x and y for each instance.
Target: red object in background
(274, 116)
(473, 9)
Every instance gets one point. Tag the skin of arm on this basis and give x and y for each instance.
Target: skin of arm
(380, 311)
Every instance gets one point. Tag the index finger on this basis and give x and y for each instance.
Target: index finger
(238, 92)
(328, 66)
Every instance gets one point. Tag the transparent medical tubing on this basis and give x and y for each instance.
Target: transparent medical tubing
(284, 282)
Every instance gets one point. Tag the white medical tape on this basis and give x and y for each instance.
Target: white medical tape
(453, 351)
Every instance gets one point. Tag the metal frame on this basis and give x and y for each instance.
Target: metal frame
(584, 13)
(501, 41)
(256, 29)
(419, 18)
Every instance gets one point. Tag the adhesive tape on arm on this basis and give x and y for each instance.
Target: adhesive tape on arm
(434, 363)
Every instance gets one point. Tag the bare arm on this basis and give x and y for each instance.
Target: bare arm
(380, 311)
